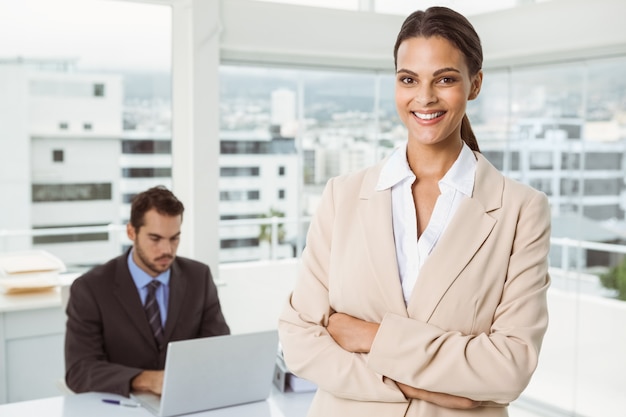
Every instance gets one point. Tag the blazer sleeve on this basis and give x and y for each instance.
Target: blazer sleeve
(308, 348)
(86, 364)
(495, 365)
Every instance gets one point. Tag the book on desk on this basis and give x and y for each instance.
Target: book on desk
(29, 271)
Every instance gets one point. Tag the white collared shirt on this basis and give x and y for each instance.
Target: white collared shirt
(455, 185)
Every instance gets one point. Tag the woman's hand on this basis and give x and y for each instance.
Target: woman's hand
(438, 398)
(352, 334)
(356, 335)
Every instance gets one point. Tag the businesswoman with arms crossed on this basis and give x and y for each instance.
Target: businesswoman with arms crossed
(422, 286)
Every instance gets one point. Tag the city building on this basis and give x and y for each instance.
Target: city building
(62, 171)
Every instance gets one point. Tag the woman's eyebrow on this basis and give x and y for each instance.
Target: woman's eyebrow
(446, 69)
(438, 72)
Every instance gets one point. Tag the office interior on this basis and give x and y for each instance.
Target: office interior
(552, 114)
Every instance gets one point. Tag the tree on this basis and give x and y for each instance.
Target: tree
(615, 279)
(266, 229)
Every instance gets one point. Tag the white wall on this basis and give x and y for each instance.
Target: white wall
(256, 31)
(253, 294)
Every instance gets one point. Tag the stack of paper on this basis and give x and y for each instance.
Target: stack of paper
(27, 271)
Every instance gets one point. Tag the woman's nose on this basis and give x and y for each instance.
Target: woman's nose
(425, 94)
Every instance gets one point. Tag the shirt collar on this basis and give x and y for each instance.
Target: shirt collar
(141, 277)
(460, 176)
(395, 170)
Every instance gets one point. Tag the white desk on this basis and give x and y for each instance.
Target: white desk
(90, 404)
(32, 329)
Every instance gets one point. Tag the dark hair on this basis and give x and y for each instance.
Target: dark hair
(159, 198)
(456, 29)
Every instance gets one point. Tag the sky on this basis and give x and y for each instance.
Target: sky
(103, 34)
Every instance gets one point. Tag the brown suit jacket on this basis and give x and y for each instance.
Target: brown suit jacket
(108, 339)
(476, 318)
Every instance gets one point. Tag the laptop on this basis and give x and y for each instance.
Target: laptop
(214, 372)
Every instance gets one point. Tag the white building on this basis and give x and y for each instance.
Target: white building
(578, 176)
(258, 175)
(61, 131)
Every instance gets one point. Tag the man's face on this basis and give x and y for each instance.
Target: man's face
(156, 242)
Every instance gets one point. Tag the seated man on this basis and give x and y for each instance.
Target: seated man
(117, 326)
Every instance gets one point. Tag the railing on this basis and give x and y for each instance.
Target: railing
(581, 370)
(567, 256)
(11, 240)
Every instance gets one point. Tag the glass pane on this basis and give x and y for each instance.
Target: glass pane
(86, 113)
(295, 129)
(489, 115)
(565, 125)
(258, 162)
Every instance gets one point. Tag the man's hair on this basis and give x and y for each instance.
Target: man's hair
(159, 198)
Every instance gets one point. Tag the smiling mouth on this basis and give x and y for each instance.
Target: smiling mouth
(428, 116)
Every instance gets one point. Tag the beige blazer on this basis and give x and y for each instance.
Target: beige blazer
(475, 321)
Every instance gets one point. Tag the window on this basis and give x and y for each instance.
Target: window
(570, 161)
(239, 243)
(542, 184)
(597, 186)
(146, 172)
(541, 160)
(70, 192)
(239, 171)
(240, 216)
(87, 126)
(281, 194)
(281, 171)
(239, 195)
(569, 187)
(127, 198)
(70, 238)
(57, 155)
(64, 125)
(146, 146)
(603, 161)
(98, 90)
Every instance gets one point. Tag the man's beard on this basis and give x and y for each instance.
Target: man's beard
(152, 266)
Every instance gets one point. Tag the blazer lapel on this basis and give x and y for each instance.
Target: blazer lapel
(126, 292)
(178, 285)
(374, 213)
(469, 228)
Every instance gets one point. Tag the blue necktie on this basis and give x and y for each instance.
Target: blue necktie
(153, 313)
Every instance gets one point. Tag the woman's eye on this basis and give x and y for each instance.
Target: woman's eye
(406, 80)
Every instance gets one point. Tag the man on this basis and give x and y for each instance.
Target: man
(113, 344)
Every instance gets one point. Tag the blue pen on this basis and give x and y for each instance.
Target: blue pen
(120, 402)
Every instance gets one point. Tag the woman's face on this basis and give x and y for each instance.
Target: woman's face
(433, 85)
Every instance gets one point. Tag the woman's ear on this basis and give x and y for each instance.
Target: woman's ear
(477, 82)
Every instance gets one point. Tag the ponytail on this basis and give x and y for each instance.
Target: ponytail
(467, 134)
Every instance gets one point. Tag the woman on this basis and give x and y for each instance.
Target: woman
(422, 289)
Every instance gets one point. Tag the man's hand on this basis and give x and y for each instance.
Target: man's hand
(352, 334)
(151, 381)
(439, 398)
